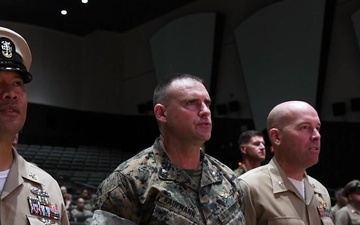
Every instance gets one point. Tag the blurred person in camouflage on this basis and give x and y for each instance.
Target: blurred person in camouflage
(174, 181)
(252, 150)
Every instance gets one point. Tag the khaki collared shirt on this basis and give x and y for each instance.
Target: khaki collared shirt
(347, 215)
(31, 196)
(271, 199)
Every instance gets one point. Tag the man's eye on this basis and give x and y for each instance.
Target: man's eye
(192, 102)
(19, 83)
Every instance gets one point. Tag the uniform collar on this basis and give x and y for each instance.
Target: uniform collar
(352, 209)
(169, 171)
(281, 183)
(20, 171)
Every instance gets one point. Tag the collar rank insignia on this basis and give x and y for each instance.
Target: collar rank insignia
(33, 176)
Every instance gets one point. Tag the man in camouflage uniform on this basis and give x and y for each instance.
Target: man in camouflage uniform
(252, 149)
(173, 181)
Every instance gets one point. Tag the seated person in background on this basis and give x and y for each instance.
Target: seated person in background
(350, 214)
(79, 213)
(63, 189)
(88, 204)
(252, 149)
(85, 194)
(68, 213)
(68, 201)
(341, 200)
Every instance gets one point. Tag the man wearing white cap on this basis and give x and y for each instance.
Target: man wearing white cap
(29, 195)
(350, 214)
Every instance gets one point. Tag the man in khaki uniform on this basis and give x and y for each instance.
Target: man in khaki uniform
(350, 214)
(281, 192)
(29, 195)
(341, 200)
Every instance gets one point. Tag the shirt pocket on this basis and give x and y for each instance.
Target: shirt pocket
(232, 215)
(285, 221)
(38, 220)
(167, 216)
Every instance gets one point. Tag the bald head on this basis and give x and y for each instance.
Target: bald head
(293, 129)
(284, 112)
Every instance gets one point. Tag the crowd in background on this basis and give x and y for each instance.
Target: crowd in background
(347, 204)
(78, 206)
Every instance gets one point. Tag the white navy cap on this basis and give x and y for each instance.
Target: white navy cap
(15, 54)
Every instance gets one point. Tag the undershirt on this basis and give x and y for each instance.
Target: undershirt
(300, 186)
(3, 176)
(195, 175)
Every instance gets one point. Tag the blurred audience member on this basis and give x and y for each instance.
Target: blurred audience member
(350, 214)
(85, 194)
(69, 215)
(79, 213)
(68, 201)
(63, 189)
(341, 200)
(252, 149)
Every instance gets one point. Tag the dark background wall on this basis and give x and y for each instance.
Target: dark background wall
(56, 126)
(94, 90)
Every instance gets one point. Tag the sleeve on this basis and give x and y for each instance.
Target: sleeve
(102, 217)
(115, 195)
(248, 206)
(341, 217)
(64, 216)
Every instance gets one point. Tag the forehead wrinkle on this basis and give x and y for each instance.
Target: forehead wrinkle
(187, 87)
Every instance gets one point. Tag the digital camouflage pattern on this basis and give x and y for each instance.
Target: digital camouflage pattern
(102, 217)
(240, 170)
(149, 189)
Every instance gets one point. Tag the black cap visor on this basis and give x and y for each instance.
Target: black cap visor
(8, 65)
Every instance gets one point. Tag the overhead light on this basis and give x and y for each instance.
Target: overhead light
(63, 12)
(84, 1)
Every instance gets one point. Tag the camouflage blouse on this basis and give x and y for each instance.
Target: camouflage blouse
(149, 189)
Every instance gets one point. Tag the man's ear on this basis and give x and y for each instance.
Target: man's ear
(242, 149)
(160, 112)
(274, 136)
